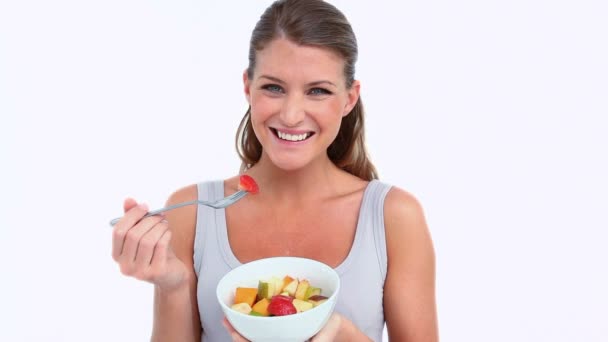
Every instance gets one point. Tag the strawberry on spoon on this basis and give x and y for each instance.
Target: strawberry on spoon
(248, 184)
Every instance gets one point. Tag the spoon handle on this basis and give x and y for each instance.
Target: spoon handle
(158, 211)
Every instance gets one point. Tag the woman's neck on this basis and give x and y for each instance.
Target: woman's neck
(317, 181)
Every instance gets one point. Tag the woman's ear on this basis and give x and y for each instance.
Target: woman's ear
(353, 97)
(246, 84)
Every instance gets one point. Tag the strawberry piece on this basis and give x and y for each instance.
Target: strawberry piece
(248, 184)
(281, 306)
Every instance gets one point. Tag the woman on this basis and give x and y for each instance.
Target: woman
(302, 140)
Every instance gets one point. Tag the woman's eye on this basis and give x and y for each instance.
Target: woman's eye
(319, 91)
(273, 88)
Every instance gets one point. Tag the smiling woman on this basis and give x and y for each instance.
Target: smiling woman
(289, 104)
(302, 140)
(492, 112)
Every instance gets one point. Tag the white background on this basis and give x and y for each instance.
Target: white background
(491, 112)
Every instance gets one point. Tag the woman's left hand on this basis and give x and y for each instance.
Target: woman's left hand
(236, 337)
(327, 334)
(330, 330)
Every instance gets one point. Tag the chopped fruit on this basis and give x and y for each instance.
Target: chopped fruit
(286, 281)
(277, 296)
(265, 289)
(245, 295)
(242, 308)
(281, 307)
(278, 284)
(280, 297)
(317, 300)
(291, 287)
(301, 290)
(302, 305)
(312, 291)
(248, 184)
(261, 307)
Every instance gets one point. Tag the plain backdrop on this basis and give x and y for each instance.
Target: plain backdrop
(492, 113)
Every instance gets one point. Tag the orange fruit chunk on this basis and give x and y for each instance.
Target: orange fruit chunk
(261, 307)
(245, 295)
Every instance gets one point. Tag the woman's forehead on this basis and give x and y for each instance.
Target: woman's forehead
(283, 57)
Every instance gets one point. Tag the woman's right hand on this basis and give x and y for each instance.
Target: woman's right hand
(141, 247)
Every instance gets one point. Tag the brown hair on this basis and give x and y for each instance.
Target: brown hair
(320, 24)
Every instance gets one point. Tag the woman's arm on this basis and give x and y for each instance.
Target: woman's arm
(176, 316)
(409, 290)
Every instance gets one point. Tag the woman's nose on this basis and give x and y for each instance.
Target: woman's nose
(293, 111)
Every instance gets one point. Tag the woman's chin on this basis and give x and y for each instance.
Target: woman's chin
(289, 164)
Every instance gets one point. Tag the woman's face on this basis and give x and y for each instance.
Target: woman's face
(298, 96)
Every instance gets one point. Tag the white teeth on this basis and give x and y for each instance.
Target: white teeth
(290, 137)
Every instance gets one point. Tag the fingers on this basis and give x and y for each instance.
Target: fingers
(331, 329)
(134, 236)
(131, 217)
(160, 255)
(140, 243)
(236, 337)
(148, 243)
(128, 204)
(139, 246)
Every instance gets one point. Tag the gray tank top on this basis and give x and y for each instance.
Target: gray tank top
(362, 273)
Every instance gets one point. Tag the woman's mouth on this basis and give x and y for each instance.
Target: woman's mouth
(291, 136)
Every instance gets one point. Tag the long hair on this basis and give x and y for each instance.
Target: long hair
(320, 24)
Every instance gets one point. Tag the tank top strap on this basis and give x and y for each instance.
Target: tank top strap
(378, 192)
(369, 241)
(205, 239)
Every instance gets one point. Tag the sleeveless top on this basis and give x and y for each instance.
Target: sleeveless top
(362, 273)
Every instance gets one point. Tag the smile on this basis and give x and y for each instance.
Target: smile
(291, 137)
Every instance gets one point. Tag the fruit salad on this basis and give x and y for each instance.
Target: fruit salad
(277, 297)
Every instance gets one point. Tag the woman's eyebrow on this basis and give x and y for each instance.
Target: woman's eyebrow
(274, 79)
(311, 84)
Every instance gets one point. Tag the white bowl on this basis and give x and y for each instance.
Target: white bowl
(291, 328)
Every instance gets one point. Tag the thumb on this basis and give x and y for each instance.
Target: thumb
(330, 331)
(236, 337)
(128, 204)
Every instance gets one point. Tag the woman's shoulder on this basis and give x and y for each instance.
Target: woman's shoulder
(183, 194)
(408, 238)
(182, 221)
(403, 214)
(400, 201)
(231, 184)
